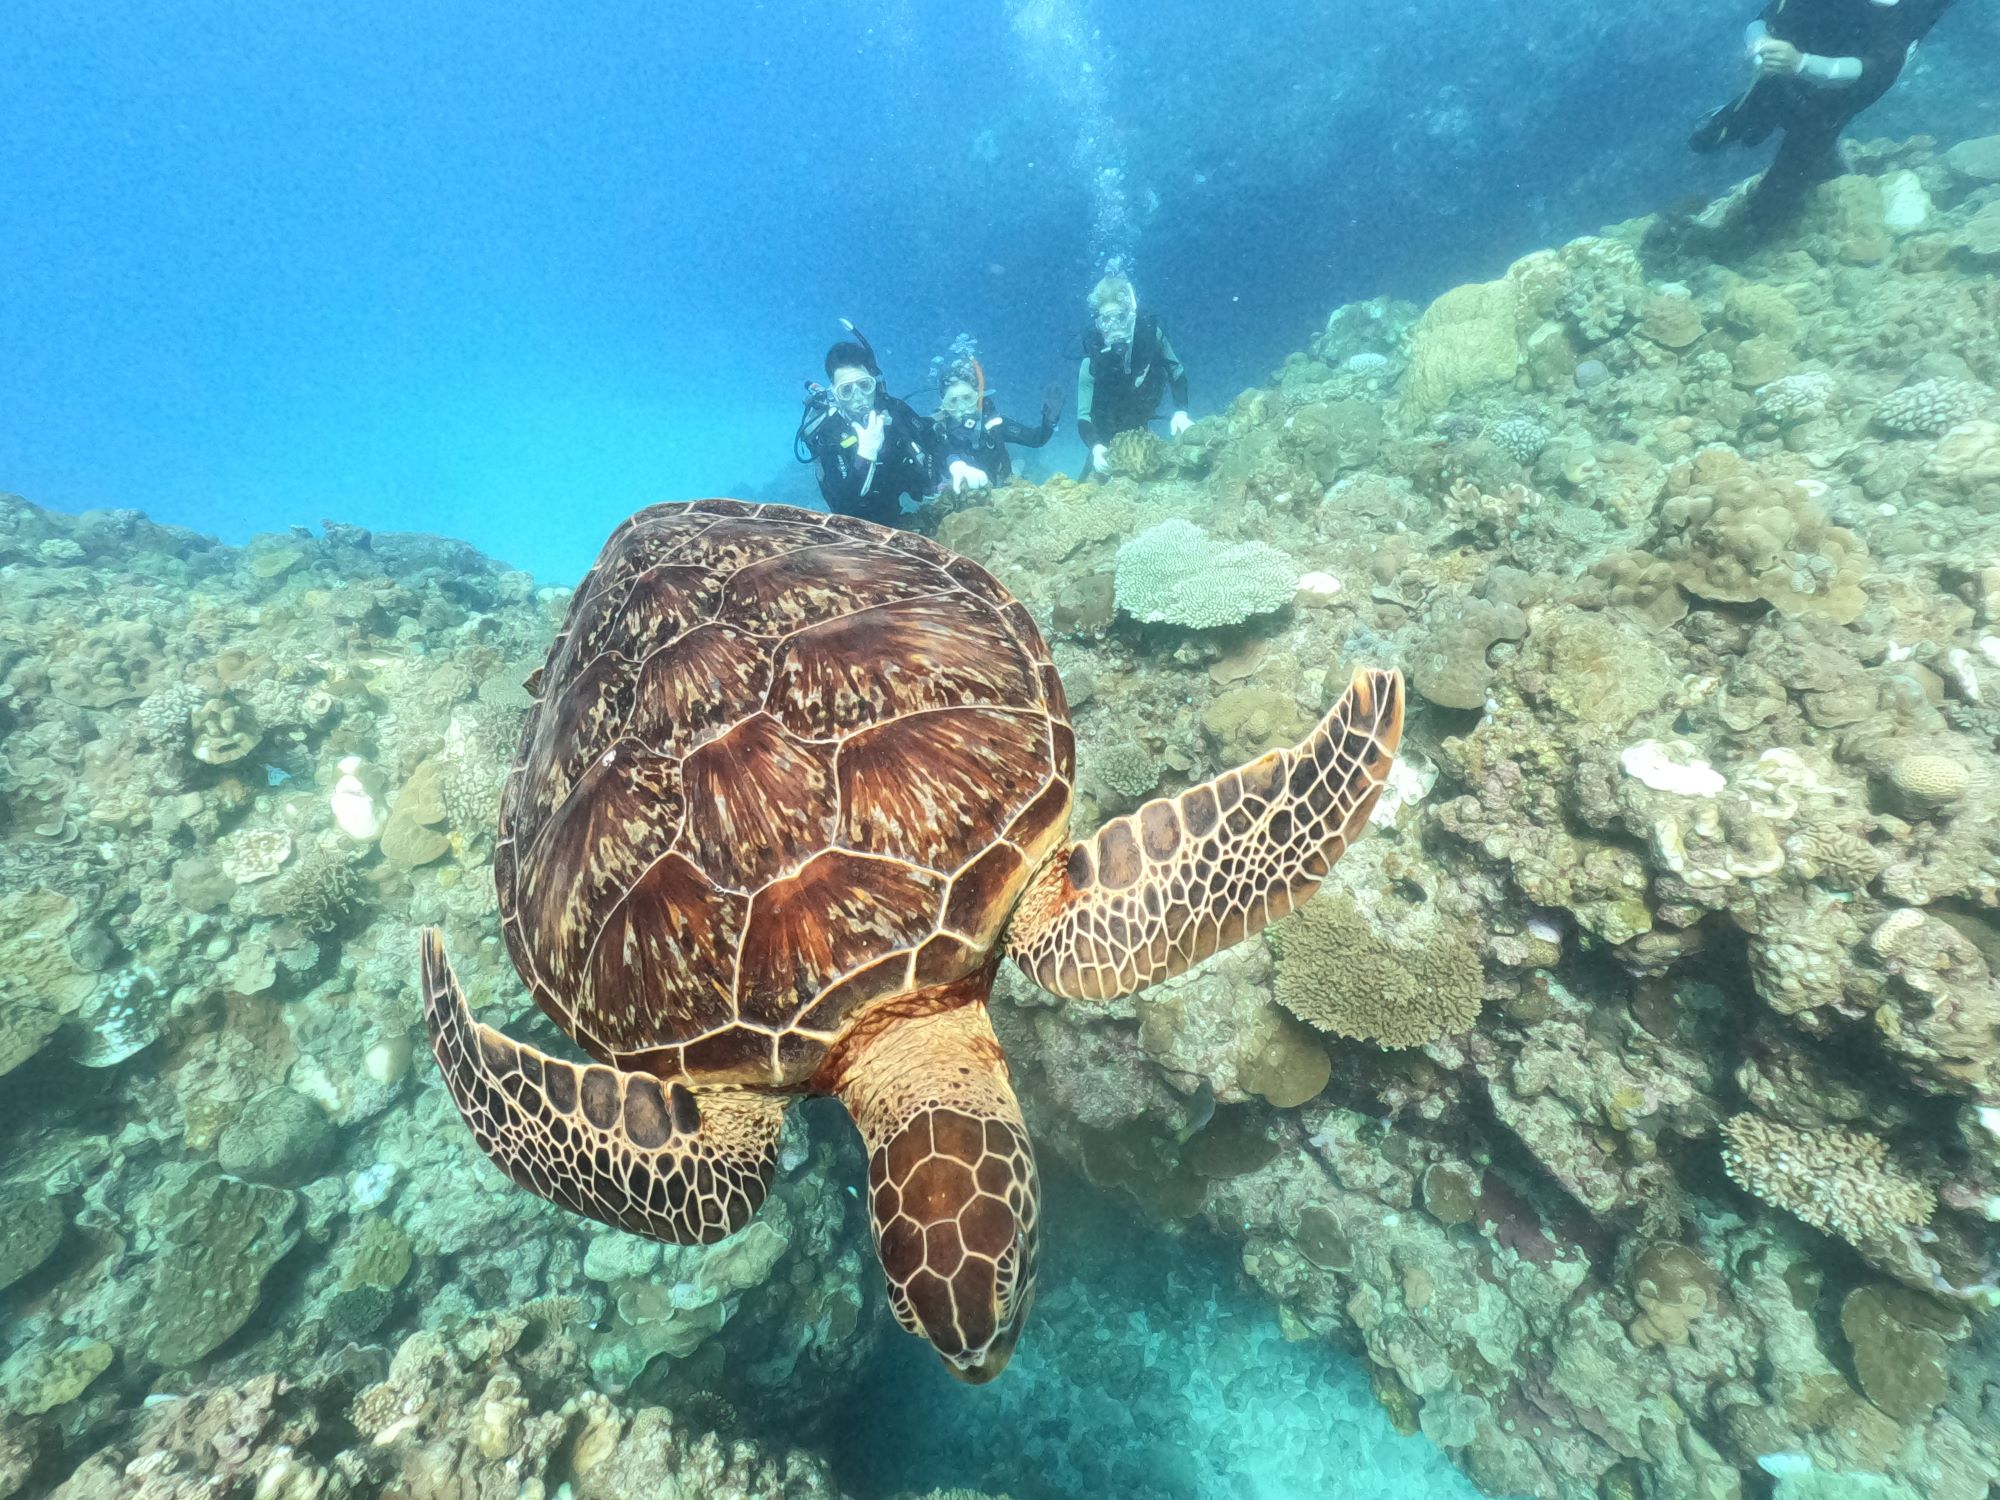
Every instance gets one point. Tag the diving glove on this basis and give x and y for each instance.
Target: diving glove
(868, 438)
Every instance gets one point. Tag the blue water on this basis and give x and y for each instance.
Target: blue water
(1138, 1336)
(507, 272)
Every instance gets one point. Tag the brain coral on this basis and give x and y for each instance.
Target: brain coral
(1173, 574)
(1336, 972)
(1838, 1181)
(1464, 340)
(1736, 535)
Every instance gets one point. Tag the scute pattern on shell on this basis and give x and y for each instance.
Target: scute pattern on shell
(781, 764)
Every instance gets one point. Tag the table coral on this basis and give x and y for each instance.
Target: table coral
(1172, 574)
(1336, 972)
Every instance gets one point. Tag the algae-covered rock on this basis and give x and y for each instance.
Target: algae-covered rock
(31, 1223)
(39, 1380)
(381, 1255)
(25, 1029)
(1218, 1027)
(280, 1138)
(1234, 1143)
(223, 1239)
(1846, 216)
(1598, 670)
(1899, 1341)
(1979, 236)
(1976, 160)
(1245, 722)
(1448, 664)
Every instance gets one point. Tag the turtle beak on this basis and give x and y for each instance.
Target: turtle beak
(980, 1367)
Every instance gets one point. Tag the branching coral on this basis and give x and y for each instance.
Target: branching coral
(1838, 1181)
(318, 891)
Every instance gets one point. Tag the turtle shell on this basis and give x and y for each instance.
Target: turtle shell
(781, 765)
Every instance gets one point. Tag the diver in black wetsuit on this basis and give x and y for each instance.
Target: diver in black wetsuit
(1128, 365)
(867, 447)
(973, 437)
(1818, 63)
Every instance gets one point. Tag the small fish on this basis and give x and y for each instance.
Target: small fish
(276, 775)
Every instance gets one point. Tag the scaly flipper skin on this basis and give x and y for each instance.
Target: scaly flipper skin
(621, 1148)
(1152, 894)
(951, 1183)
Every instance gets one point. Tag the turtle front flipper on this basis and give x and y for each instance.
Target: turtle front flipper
(1154, 893)
(622, 1148)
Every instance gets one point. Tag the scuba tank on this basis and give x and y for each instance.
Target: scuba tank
(819, 406)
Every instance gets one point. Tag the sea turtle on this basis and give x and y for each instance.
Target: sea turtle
(791, 786)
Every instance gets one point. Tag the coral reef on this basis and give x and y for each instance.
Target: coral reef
(1629, 1102)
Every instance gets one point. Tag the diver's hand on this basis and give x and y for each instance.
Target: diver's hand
(964, 477)
(1775, 57)
(1179, 423)
(1100, 458)
(868, 438)
(1051, 409)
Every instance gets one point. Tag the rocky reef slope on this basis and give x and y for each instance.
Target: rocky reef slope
(1631, 1101)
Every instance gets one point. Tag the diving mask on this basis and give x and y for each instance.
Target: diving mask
(1116, 320)
(961, 404)
(855, 396)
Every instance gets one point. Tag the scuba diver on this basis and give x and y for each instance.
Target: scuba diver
(1816, 65)
(973, 436)
(1127, 366)
(868, 448)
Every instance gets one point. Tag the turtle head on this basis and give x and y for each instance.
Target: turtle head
(951, 1185)
(952, 1195)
